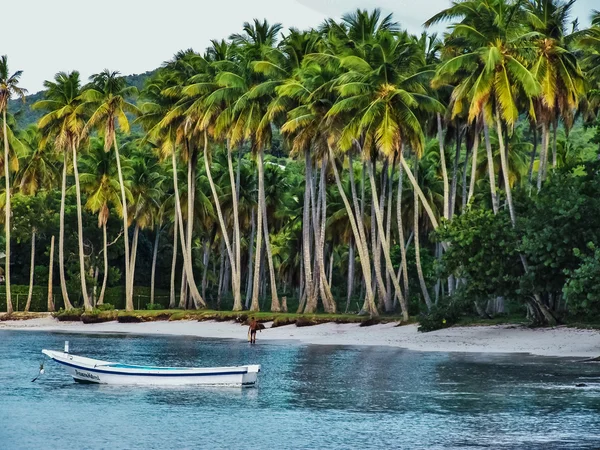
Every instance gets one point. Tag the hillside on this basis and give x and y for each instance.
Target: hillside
(25, 115)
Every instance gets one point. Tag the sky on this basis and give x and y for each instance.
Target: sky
(134, 36)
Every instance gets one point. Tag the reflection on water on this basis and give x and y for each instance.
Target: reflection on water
(308, 397)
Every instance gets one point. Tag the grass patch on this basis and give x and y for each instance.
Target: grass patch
(22, 316)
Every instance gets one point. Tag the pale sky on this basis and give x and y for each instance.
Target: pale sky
(134, 36)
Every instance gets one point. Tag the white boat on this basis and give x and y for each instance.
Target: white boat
(88, 370)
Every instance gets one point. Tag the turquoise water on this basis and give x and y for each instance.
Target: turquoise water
(309, 396)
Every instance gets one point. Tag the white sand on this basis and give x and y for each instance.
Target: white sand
(560, 341)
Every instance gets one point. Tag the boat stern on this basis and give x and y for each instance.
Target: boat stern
(251, 376)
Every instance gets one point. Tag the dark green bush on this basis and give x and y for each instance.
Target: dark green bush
(105, 307)
(154, 306)
(439, 317)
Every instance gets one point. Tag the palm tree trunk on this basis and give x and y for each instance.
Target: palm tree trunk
(183, 293)
(306, 224)
(420, 193)
(474, 162)
(452, 207)
(360, 243)
(376, 251)
(105, 256)
(136, 233)
(386, 247)
(275, 306)
(191, 195)
(404, 266)
(128, 294)
(541, 175)
(7, 211)
(61, 237)
(491, 172)
(172, 299)
(198, 300)
(261, 187)
(554, 138)
(250, 256)
(418, 255)
(205, 261)
(86, 300)
(464, 180)
(154, 257)
(225, 235)
(236, 265)
(388, 227)
(221, 271)
(505, 173)
(330, 274)
(50, 276)
(31, 271)
(444, 169)
(350, 273)
(533, 154)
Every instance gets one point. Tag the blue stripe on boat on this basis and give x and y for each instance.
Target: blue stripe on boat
(111, 372)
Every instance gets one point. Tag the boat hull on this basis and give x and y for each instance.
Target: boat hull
(87, 370)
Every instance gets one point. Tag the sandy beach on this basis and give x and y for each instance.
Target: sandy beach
(560, 341)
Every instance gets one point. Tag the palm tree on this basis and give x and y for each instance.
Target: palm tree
(557, 70)
(9, 86)
(247, 119)
(38, 173)
(382, 92)
(492, 38)
(106, 98)
(156, 117)
(63, 123)
(99, 181)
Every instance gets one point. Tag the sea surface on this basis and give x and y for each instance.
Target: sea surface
(309, 397)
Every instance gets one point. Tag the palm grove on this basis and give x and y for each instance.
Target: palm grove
(350, 167)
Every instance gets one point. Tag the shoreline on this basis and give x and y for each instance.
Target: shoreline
(559, 341)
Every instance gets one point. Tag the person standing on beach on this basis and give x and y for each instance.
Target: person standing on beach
(252, 330)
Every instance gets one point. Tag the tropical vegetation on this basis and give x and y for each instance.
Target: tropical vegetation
(336, 169)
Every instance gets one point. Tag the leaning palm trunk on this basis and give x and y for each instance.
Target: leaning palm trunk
(128, 294)
(250, 259)
(418, 255)
(7, 211)
(257, 259)
(491, 172)
(404, 266)
(505, 173)
(360, 243)
(31, 271)
(554, 143)
(237, 306)
(236, 265)
(154, 257)
(187, 263)
(86, 300)
(136, 233)
(419, 192)
(105, 257)
(444, 168)
(50, 276)
(172, 299)
(385, 245)
(474, 163)
(61, 238)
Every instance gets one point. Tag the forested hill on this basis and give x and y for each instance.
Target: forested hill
(26, 115)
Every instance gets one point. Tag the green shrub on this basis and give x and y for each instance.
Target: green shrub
(154, 306)
(105, 307)
(439, 317)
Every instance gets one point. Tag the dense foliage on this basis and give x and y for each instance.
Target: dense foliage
(352, 167)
